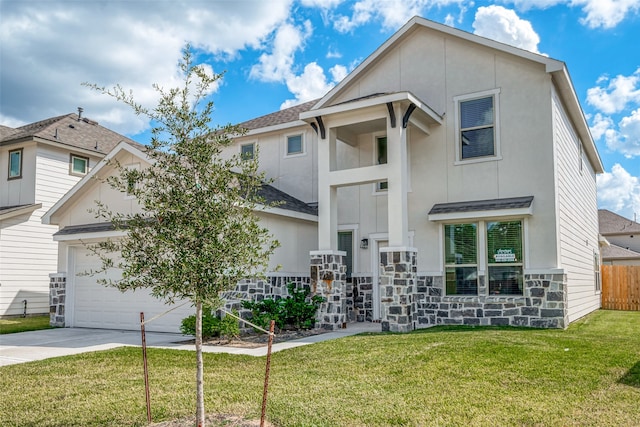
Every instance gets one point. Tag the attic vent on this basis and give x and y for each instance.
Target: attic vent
(72, 126)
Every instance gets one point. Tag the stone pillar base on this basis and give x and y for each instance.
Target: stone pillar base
(398, 274)
(328, 279)
(57, 297)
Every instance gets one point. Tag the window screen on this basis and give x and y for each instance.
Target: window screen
(461, 259)
(477, 128)
(345, 243)
(294, 144)
(504, 252)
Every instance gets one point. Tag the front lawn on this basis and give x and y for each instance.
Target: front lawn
(11, 325)
(588, 375)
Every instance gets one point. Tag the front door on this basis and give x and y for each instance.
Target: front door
(377, 244)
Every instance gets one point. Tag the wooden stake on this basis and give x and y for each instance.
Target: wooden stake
(146, 370)
(266, 374)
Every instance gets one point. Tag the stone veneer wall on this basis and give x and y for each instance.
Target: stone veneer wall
(363, 298)
(57, 297)
(328, 279)
(397, 288)
(543, 304)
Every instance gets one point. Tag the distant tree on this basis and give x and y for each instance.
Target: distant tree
(198, 233)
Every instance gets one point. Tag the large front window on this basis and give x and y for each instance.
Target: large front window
(461, 259)
(504, 250)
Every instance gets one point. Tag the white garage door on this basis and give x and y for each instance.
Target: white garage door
(99, 306)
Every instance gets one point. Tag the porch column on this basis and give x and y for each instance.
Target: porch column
(329, 280)
(398, 181)
(398, 280)
(327, 195)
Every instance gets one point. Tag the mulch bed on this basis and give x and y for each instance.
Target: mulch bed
(213, 420)
(254, 340)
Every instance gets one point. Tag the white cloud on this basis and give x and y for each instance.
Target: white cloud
(322, 4)
(311, 84)
(599, 13)
(504, 25)
(619, 191)
(618, 93)
(627, 139)
(606, 13)
(54, 46)
(277, 65)
(392, 13)
(338, 72)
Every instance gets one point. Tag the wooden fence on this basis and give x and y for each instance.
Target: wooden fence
(621, 287)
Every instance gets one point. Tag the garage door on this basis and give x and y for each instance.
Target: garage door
(98, 306)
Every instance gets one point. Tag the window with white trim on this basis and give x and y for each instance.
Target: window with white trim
(345, 243)
(132, 176)
(295, 145)
(461, 259)
(15, 164)
(596, 272)
(504, 257)
(78, 165)
(247, 151)
(503, 263)
(477, 133)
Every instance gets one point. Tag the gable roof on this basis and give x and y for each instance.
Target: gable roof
(612, 252)
(557, 69)
(67, 130)
(612, 223)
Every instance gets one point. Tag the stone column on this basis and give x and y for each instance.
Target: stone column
(398, 279)
(57, 297)
(328, 279)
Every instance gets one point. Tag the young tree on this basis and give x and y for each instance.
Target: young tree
(198, 233)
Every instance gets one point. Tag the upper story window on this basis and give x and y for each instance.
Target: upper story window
(381, 159)
(477, 126)
(78, 165)
(247, 151)
(295, 145)
(15, 164)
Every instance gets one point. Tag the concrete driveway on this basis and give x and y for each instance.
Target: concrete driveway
(38, 345)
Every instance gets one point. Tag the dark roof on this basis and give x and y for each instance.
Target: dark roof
(68, 130)
(286, 201)
(482, 205)
(612, 223)
(617, 252)
(279, 117)
(8, 209)
(85, 228)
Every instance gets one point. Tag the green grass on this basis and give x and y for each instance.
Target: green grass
(11, 325)
(587, 375)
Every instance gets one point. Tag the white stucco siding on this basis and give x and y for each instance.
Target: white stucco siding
(577, 216)
(295, 175)
(297, 238)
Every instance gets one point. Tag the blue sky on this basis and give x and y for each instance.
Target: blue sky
(280, 52)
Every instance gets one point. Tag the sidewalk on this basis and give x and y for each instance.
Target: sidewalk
(38, 345)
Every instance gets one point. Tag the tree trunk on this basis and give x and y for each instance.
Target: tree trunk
(200, 368)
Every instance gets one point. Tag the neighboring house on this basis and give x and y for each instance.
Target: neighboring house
(455, 181)
(623, 237)
(78, 300)
(39, 163)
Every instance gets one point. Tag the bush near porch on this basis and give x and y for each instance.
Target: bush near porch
(587, 375)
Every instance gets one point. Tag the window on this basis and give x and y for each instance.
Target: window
(246, 151)
(132, 176)
(461, 259)
(504, 253)
(345, 243)
(381, 159)
(15, 164)
(477, 134)
(78, 165)
(295, 145)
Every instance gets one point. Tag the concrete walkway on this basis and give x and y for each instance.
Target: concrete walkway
(38, 345)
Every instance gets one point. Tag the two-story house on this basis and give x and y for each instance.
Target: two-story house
(622, 237)
(39, 163)
(454, 178)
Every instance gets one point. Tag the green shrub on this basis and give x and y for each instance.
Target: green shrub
(297, 311)
(212, 325)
